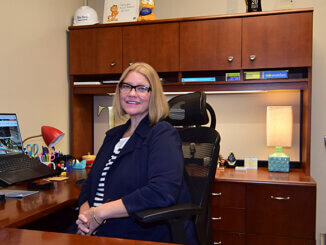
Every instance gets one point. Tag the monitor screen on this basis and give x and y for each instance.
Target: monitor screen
(10, 139)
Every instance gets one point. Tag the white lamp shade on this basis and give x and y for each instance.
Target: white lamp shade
(279, 123)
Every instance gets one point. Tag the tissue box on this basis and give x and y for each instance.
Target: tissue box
(279, 164)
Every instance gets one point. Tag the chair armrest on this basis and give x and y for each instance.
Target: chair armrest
(175, 211)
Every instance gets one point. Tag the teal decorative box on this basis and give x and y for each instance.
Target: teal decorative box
(279, 163)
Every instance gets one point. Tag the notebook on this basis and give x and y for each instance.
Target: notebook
(15, 166)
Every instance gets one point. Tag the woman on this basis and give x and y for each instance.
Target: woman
(138, 167)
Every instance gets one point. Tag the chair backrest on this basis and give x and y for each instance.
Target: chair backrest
(201, 146)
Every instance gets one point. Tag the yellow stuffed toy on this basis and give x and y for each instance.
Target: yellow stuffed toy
(146, 10)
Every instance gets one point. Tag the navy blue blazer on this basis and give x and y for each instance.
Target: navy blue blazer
(148, 173)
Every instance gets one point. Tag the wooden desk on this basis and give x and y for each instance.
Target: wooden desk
(11, 236)
(20, 212)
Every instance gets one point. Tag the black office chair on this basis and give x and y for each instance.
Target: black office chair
(201, 146)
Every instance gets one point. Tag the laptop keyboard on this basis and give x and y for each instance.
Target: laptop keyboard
(17, 162)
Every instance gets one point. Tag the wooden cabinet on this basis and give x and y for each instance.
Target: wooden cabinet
(274, 41)
(210, 45)
(110, 50)
(257, 207)
(290, 210)
(95, 51)
(156, 44)
(191, 47)
(252, 42)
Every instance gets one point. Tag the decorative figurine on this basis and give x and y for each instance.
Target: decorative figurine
(231, 161)
(253, 5)
(146, 10)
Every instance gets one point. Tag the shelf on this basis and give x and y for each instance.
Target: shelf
(277, 84)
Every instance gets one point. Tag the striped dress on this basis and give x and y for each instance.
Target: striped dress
(99, 197)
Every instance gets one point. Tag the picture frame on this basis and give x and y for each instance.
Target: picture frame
(116, 11)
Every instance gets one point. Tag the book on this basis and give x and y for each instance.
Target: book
(110, 81)
(198, 79)
(249, 75)
(88, 83)
(277, 74)
(232, 76)
(116, 11)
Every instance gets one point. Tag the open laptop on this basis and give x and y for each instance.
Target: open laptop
(15, 166)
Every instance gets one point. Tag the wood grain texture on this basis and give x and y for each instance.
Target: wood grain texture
(10, 236)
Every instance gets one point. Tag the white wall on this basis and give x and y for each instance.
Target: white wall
(33, 64)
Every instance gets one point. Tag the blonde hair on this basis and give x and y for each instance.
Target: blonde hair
(158, 105)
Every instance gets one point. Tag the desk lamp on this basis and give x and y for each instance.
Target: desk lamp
(51, 136)
(279, 134)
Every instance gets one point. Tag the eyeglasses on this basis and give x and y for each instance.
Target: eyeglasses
(140, 89)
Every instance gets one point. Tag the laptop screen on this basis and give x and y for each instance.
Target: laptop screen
(10, 139)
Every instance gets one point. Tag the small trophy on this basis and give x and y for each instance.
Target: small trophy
(253, 5)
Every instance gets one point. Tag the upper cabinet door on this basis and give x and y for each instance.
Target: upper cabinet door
(210, 45)
(155, 44)
(277, 41)
(95, 51)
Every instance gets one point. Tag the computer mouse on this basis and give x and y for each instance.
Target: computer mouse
(80, 181)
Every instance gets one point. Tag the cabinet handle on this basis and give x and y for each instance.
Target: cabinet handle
(230, 58)
(218, 218)
(217, 243)
(130, 63)
(252, 57)
(113, 64)
(280, 198)
(216, 194)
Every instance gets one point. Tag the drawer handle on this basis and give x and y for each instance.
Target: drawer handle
(218, 218)
(217, 194)
(217, 243)
(131, 63)
(230, 58)
(113, 64)
(252, 57)
(280, 198)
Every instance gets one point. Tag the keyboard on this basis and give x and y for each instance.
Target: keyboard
(13, 163)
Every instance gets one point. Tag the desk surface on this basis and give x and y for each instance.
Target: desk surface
(19, 212)
(263, 176)
(12, 236)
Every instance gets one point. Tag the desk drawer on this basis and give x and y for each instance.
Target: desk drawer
(228, 219)
(273, 240)
(281, 210)
(228, 195)
(228, 238)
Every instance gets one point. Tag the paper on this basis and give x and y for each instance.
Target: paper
(17, 193)
(58, 178)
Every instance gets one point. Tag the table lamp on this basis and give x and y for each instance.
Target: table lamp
(51, 136)
(279, 122)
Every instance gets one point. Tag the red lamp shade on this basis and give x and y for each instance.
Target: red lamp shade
(51, 136)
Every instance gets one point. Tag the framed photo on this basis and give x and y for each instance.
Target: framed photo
(120, 11)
